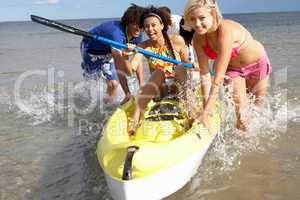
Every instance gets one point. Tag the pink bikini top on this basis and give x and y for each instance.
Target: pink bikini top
(213, 55)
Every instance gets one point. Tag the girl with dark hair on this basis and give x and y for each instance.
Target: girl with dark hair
(155, 23)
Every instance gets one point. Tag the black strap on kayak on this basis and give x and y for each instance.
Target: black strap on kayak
(127, 171)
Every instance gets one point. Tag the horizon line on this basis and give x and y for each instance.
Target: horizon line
(235, 13)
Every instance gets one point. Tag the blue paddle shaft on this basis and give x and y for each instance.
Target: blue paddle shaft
(70, 29)
(142, 51)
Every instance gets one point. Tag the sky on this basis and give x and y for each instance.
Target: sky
(20, 10)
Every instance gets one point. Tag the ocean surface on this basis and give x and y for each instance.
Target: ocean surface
(50, 120)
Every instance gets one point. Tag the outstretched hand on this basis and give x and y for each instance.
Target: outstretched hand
(130, 49)
(203, 118)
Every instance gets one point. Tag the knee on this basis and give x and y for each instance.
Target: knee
(142, 100)
(238, 100)
(157, 78)
(146, 93)
(180, 69)
(142, 104)
(158, 74)
(180, 73)
(113, 84)
(123, 72)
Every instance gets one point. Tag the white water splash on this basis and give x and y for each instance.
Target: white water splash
(266, 126)
(44, 105)
(39, 106)
(5, 100)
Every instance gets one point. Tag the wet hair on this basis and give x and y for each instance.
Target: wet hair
(212, 5)
(165, 19)
(187, 35)
(132, 15)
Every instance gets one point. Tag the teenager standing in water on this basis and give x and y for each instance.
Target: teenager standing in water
(236, 54)
(102, 60)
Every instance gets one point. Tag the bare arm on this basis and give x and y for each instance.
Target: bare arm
(224, 43)
(118, 59)
(121, 71)
(183, 50)
(124, 67)
(203, 66)
(135, 62)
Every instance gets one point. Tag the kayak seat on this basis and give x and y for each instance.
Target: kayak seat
(163, 122)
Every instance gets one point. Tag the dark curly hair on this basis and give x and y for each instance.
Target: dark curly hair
(166, 20)
(132, 15)
(187, 35)
(165, 16)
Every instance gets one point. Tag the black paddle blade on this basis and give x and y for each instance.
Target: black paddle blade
(60, 26)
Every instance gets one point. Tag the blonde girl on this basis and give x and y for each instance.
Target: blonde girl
(236, 54)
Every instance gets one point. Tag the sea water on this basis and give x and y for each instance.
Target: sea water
(51, 119)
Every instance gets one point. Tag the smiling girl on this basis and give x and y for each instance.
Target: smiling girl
(155, 23)
(236, 54)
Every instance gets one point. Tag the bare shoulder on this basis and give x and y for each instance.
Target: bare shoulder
(226, 25)
(233, 29)
(177, 39)
(230, 25)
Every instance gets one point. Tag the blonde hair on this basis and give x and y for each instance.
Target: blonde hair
(209, 4)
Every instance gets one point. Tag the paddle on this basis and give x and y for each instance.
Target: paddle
(70, 29)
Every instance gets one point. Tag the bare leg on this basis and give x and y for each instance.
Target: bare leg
(122, 71)
(140, 77)
(147, 92)
(124, 83)
(259, 89)
(241, 102)
(180, 74)
(112, 86)
(140, 74)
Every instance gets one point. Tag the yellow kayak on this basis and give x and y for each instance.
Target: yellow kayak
(160, 158)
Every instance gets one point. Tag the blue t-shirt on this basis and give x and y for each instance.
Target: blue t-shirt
(112, 30)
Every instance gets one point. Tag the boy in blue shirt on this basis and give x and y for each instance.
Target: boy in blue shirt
(102, 60)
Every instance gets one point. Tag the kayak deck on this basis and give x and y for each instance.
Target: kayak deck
(164, 139)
